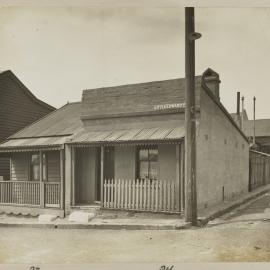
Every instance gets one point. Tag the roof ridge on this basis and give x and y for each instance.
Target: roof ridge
(141, 83)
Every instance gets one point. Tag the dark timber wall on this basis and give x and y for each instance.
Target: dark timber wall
(18, 108)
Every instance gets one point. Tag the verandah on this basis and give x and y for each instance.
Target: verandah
(146, 177)
(36, 179)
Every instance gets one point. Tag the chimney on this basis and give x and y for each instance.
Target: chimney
(242, 113)
(238, 104)
(212, 81)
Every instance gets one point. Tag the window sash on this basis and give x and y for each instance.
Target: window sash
(147, 163)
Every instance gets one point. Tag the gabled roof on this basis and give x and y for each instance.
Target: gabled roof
(62, 122)
(12, 76)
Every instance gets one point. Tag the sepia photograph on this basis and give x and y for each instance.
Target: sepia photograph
(134, 132)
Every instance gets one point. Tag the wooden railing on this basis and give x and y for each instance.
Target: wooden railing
(20, 192)
(259, 169)
(141, 195)
(52, 194)
(29, 193)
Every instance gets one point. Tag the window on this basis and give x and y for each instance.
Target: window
(34, 167)
(148, 163)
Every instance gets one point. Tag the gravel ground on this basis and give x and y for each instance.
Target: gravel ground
(241, 236)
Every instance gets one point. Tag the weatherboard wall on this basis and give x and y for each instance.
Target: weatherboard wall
(17, 110)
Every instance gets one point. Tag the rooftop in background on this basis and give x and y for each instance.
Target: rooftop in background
(12, 76)
(262, 128)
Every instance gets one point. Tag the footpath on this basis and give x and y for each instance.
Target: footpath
(114, 220)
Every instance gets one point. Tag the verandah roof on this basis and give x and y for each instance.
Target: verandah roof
(146, 135)
(28, 144)
(129, 135)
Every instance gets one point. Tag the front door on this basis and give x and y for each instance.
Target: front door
(85, 175)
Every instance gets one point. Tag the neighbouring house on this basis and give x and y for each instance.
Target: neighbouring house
(122, 147)
(259, 158)
(18, 108)
(262, 128)
(262, 133)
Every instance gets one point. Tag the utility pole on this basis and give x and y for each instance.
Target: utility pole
(190, 119)
(254, 108)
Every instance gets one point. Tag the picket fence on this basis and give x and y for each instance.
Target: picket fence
(140, 194)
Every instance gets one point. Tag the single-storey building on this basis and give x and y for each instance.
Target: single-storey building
(262, 133)
(123, 148)
(18, 108)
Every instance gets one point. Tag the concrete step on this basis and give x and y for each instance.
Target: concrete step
(81, 217)
(87, 208)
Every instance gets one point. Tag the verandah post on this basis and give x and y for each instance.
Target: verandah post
(73, 188)
(101, 173)
(62, 177)
(68, 179)
(178, 198)
(42, 190)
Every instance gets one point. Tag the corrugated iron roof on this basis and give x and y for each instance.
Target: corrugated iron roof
(96, 137)
(30, 142)
(64, 121)
(132, 135)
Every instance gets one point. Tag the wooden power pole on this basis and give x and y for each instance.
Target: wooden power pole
(190, 119)
(254, 126)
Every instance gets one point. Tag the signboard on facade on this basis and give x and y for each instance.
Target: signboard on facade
(169, 106)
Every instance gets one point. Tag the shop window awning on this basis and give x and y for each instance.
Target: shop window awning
(129, 135)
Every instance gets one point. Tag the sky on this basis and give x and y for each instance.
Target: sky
(59, 51)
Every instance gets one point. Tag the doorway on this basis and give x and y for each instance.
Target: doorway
(87, 175)
(109, 162)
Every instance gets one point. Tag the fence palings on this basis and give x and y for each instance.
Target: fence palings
(259, 169)
(138, 194)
